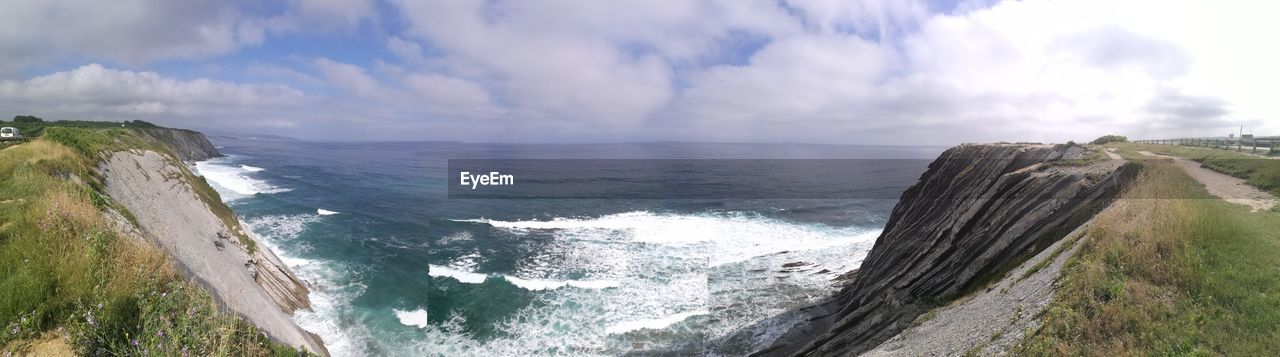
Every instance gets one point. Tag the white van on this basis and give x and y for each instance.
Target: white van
(8, 133)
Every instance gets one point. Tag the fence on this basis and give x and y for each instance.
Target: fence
(1254, 144)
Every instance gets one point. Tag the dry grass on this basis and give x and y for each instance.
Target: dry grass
(1161, 276)
(63, 266)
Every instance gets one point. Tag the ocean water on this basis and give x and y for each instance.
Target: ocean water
(398, 268)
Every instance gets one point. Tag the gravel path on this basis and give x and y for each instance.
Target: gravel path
(1227, 187)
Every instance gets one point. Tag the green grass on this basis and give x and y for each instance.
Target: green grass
(1194, 276)
(1263, 173)
(36, 129)
(92, 143)
(62, 265)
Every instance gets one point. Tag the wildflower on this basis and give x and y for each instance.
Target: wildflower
(134, 342)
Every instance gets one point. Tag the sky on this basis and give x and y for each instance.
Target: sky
(798, 71)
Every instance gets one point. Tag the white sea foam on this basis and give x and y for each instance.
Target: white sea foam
(325, 212)
(462, 276)
(533, 284)
(631, 272)
(653, 324)
(731, 238)
(667, 268)
(330, 313)
(417, 318)
(234, 181)
(527, 284)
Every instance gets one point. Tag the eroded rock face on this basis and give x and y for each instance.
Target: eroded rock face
(188, 145)
(289, 293)
(169, 213)
(978, 209)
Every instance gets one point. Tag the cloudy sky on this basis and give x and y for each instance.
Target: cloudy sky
(821, 71)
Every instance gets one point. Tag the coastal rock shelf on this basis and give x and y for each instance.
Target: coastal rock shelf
(977, 212)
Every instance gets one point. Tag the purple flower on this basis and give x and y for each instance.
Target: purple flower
(134, 342)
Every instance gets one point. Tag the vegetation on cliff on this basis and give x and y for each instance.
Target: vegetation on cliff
(66, 272)
(1168, 271)
(33, 126)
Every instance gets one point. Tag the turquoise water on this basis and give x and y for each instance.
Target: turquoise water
(397, 268)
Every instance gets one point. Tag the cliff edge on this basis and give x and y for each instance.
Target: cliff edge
(189, 145)
(976, 213)
(179, 212)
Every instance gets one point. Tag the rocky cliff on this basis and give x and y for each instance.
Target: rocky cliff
(179, 212)
(188, 145)
(979, 210)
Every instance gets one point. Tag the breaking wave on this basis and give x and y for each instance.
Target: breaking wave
(235, 181)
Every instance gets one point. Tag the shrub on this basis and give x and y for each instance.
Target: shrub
(27, 119)
(1105, 139)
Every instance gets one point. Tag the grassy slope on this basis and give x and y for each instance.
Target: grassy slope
(1168, 276)
(35, 129)
(63, 266)
(90, 143)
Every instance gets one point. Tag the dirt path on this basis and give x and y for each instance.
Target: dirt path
(1229, 188)
(1111, 153)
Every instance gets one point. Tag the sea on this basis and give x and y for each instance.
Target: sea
(398, 266)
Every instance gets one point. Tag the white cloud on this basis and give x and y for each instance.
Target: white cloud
(129, 31)
(95, 92)
(137, 32)
(864, 71)
(1032, 70)
(585, 61)
(422, 96)
(315, 15)
(349, 77)
(454, 95)
(810, 78)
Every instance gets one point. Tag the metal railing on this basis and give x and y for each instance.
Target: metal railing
(1267, 145)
